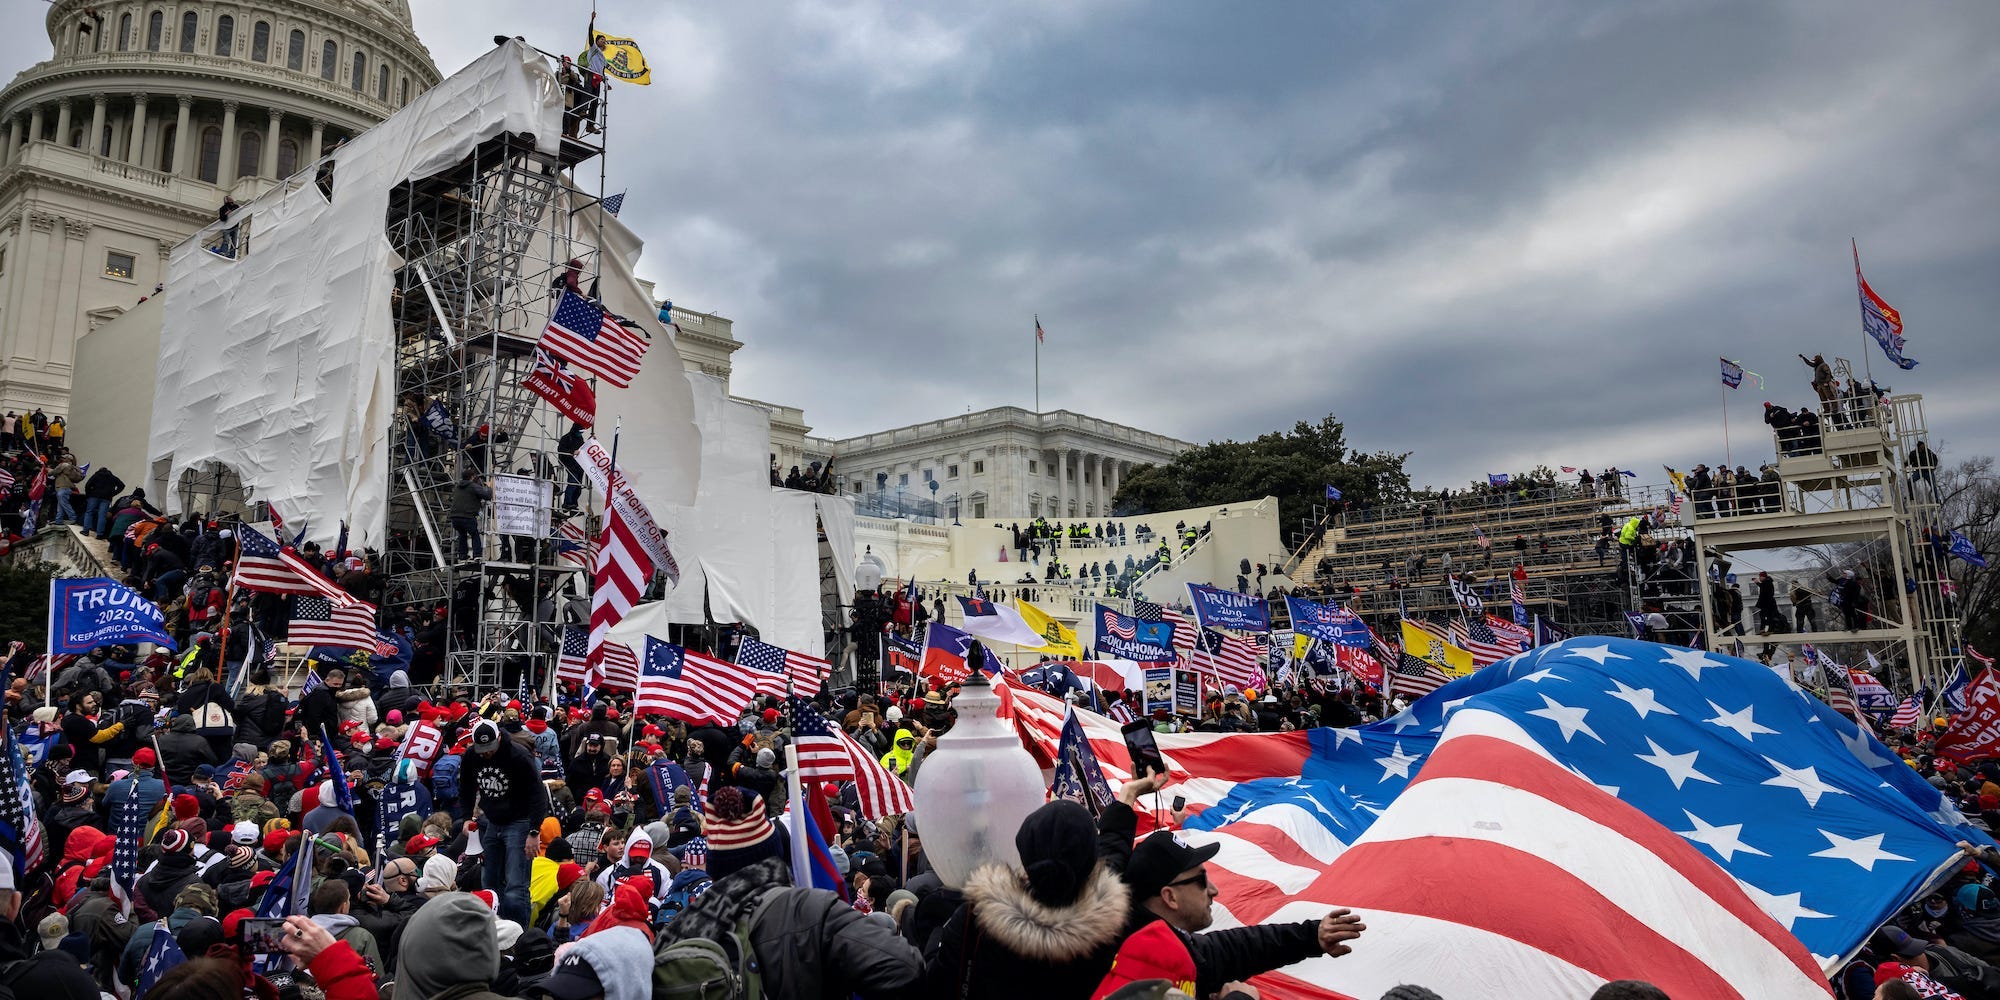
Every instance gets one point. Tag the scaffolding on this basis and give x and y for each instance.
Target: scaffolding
(1865, 481)
(486, 246)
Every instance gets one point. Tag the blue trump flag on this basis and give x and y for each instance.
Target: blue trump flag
(1129, 638)
(1963, 548)
(1078, 778)
(1499, 480)
(1218, 608)
(1331, 492)
(1329, 623)
(99, 611)
(343, 796)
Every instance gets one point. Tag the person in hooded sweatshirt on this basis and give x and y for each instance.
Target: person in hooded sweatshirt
(615, 963)
(808, 942)
(397, 697)
(1055, 922)
(460, 955)
(331, 905)
(171, 873)
(638, 860)
(1978, 932)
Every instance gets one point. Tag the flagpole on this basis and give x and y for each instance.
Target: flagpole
(1726, 456)
(49, 650)
(1861, 301)
(1038, 354)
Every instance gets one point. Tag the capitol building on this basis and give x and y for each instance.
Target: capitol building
(147, 114)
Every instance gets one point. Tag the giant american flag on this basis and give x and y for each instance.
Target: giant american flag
(682, 684)
(622, 572)
(1827, 832)
(587, 334)
(263, 565)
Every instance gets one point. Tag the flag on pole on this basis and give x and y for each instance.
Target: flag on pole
(1038, 329)
(317, 621)
(263, 565)
(162, 954)
(782, 671)
(1907, 714)
(622, 58)
(592, 337)
(623, 570)
(1078, 777)
(614, 204)
(1879, 319)
(343, 793)
(835, 756)
(1954, 690)
(565, 390)
(1057, 639)
(996, 622)
(682, 684)
(1233, 660)
(1962, 548)
(573, 658)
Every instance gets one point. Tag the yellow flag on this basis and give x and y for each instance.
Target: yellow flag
(1680, 481)
(622, 59)
(1455, 662)
(1059, 639)
(1301, 642)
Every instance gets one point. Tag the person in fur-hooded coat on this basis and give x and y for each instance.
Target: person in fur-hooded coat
(1054, 923)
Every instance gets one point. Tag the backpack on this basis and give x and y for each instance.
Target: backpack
(444, 778)
(704, 969)
(211, 719)
(684, 889)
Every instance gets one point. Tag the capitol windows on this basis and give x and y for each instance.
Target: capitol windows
(360, 70)
(382, 82)
(118, 264)
(189, 24)
(1032, 467)
(225, 34)
(406, 90)
(169, 134)
(260, 41)
(249, 150)
(978, 467)
(156, 24)
(951, 472)
(329, 60)
(288, 158)
(295, 52)
(124, 31)
(210, 165)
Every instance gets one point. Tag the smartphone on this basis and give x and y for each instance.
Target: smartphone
(1145, 751)
(1180, 802)
(262, 935)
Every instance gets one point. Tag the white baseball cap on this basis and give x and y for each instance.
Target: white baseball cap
(243, 833)
(77, 778)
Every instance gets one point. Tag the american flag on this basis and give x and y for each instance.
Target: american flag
(574, 545)
(619, 671)
(614, 203)
(827, 753)
(805, 673)
(682, 684)
(46, 663)
(1112, 625)
(264, 566)
(623, 570)
(23, 833)
(1415, 677)
(573, 660)
(162, 954)
(6, 480)
(128, 828)
(1907, 714)
(317, 621)
(1232, 660)
(1147, 611)
(588, 335)
(1183, 629)
(1476, 636)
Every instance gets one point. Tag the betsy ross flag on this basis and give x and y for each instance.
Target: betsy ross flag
(682, 684)
(794, 672)
(590, 336)
(265, 566)
(827, 753)
(565, 390)
(317, 621)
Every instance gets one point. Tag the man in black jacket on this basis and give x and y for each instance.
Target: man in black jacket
(1170, 883)
(502, 779)
(320, 708)
(98, 492)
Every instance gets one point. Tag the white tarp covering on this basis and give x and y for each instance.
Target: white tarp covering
(836, 518)
(280, 363)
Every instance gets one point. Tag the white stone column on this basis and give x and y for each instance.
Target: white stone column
(136, 154)
(268, 165)
(35, 123)
(94, 142)
(13, 139)
(62, 122)
(184, 141)
(225, 171)
(313, 147)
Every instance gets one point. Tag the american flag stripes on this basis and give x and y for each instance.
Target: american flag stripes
(1907, 714)
(1232, 660)
(317, 621)
(17, 809)
(797, 673)
(265, 566)
(1476, 636)
(682, 684)
(619, 669)
(1415, 677)
(574, 544)
(880, 792)
(573, 656)
(128, 828)
(588, 335)
(1183, 629)
(623, 570)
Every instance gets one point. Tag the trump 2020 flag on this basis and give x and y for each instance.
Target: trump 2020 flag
(99, 611)
(1963, 548)
(1078, 777)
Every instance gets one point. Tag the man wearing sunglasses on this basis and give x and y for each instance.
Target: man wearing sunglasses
(383, 910)
(1169, 882)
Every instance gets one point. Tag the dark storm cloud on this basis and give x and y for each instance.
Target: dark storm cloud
(1490, 234)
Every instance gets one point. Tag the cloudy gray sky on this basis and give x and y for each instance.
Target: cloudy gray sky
(1494, 234)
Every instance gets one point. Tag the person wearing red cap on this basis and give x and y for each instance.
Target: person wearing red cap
(638, 860)
(142, 784)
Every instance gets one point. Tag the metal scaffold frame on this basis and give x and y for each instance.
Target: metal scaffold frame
(1867, 480)
(486, 246)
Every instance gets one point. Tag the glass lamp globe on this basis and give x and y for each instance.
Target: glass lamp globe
(868, 571)
(974, 791)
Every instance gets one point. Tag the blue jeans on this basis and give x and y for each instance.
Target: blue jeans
(65, 514)
(506, 868)
(96, 515)
(469, 537)
(168, 585)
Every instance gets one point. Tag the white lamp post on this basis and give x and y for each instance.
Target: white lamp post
(978, 786)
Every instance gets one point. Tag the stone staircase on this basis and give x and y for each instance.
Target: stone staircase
(64, 547)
